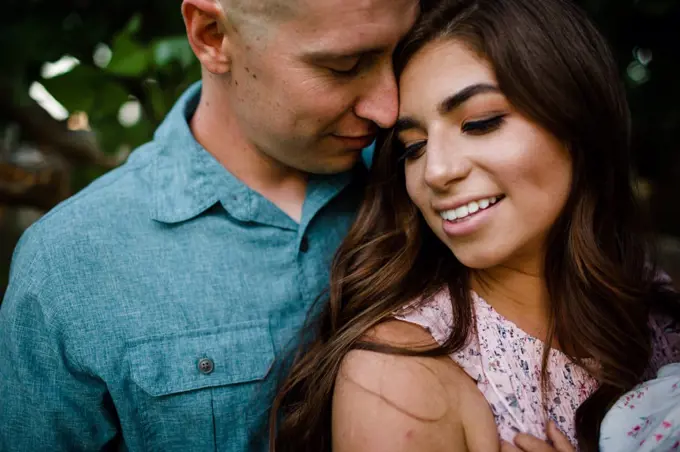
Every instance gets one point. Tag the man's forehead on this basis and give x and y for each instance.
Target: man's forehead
(348, 24)
(366, 10)
(278, 10)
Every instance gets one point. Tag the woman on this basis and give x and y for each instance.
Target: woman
(500, 217)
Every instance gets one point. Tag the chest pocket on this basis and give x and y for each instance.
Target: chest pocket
(188, 387)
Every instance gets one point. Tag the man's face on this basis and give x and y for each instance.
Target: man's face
(311, 94)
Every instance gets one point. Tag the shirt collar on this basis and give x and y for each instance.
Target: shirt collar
(188, 180)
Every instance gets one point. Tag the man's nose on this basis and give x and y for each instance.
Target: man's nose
(444, 165)
(380, 103)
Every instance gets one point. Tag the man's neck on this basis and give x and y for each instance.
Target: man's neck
(215, 128)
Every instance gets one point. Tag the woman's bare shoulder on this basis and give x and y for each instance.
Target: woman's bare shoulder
(392, 402)
(412, 384)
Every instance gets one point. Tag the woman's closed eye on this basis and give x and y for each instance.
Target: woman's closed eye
(412, 150)
(483, 126)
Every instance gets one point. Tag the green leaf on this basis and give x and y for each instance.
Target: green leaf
(157, 98)
(76, 89)
(87, 89)
(168, 50)
(133, 25)
(128, 59)
(111, 134)
(109, 97)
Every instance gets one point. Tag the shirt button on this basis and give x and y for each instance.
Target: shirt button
(206, 366)
(304, 245)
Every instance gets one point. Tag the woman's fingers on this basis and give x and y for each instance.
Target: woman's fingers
(529, 443)
(559, 440)
(507, 447)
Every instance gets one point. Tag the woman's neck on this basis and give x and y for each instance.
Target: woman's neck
(520, 296)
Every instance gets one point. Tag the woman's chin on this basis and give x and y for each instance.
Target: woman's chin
(477, 259)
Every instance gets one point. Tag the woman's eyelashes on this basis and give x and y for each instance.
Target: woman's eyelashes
(415, 149)
(483, 126)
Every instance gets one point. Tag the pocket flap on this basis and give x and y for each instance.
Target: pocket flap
(238, 353)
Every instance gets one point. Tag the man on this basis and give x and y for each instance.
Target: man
(147, 312)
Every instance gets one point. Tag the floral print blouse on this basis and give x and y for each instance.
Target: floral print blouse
(505, 362)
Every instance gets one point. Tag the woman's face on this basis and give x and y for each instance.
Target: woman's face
(488, 181)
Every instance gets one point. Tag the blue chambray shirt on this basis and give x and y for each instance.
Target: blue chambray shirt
(147, 311)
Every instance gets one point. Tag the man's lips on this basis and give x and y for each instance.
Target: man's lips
(356, 141)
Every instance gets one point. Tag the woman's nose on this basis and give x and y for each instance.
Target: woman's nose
(445, 164)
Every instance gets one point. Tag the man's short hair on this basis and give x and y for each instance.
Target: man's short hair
(258, 16)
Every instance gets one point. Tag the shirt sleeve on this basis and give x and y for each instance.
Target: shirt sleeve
(46, 401)
(647, 418)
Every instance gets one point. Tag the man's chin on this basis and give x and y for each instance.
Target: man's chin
(337, 164)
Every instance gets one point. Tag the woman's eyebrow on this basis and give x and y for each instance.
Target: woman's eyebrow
(448, 105)
(406, 123)
(456, 100)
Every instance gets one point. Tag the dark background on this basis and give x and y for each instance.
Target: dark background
(121, 64)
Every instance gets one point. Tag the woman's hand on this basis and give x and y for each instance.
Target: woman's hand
(528, 443)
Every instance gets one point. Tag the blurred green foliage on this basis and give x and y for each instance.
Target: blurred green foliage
(149, 59)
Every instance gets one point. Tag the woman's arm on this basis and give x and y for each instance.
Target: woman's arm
(396, 403)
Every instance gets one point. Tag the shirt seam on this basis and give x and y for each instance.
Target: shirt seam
(36, 289)
(56, 325)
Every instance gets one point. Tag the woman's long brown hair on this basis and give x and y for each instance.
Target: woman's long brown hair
(553, 66)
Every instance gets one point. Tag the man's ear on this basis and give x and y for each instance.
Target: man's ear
(204, 21)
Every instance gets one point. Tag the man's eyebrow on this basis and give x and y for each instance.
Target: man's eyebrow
(346, 54)
(456, 100)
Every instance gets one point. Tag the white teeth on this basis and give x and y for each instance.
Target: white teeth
(449, 215)
(468, 209)
(462, 212)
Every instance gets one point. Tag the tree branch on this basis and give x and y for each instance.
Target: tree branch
(42, 189)
(51, 135)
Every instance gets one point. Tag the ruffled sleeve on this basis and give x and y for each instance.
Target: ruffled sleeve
(435, 314)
